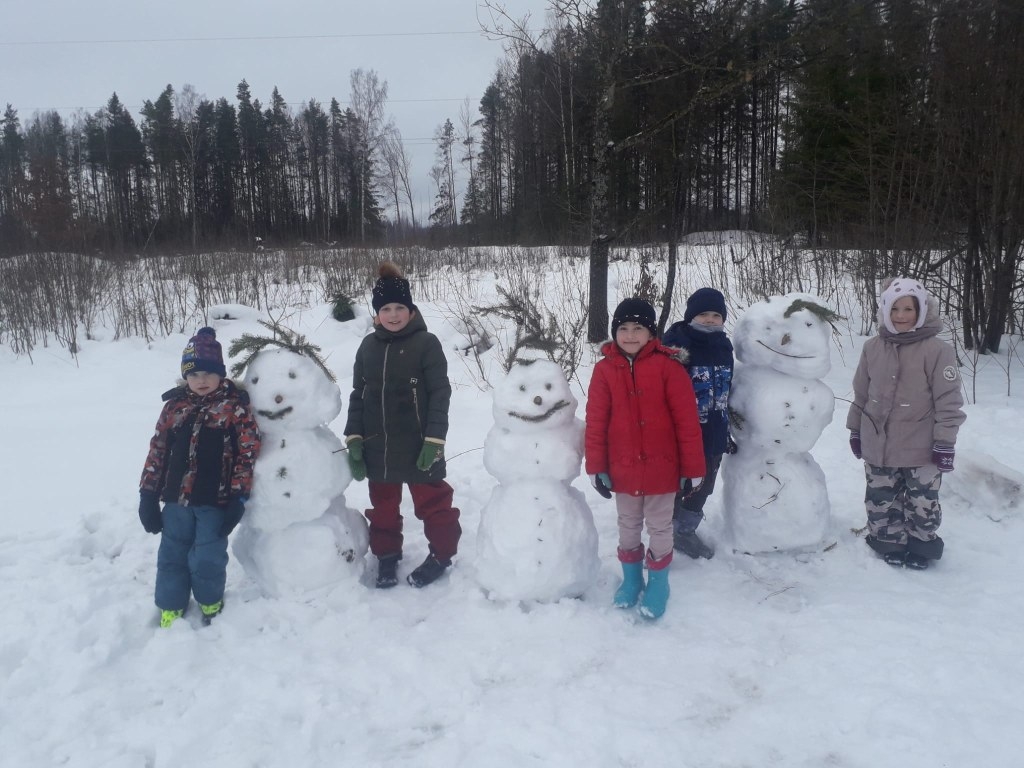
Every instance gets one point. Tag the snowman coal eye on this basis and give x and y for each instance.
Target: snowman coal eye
(291, 374)
(254, 380)
(547, 386)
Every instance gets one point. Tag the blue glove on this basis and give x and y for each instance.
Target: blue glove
(232, 515)
(942, 457)
(149, 512)
(602, 484)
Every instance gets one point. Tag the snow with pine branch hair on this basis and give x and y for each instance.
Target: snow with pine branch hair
(776, 497)
(297, 534)
(537, 540)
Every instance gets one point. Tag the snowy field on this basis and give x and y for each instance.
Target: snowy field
(830, 659)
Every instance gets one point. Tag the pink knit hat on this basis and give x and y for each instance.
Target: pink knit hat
(897, 289)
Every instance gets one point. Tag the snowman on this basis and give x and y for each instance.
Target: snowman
(775, 493)
(537, 539)
(297, 534)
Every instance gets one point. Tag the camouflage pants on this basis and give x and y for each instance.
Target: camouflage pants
(903, 507)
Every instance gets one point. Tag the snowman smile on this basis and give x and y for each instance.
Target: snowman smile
(544, 416)
(784, 354)
(274, 415)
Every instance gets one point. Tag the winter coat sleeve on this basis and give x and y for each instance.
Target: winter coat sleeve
(354, 423)
(947, 397)
(682, 404)
(155, 469)
(598, 417)
(438, 387)
(248, 437)
(860, 393)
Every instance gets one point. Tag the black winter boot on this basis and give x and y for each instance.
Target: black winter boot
(690, 544)
(428, 572)
(387, 571)
(896, 558)
(916, 562)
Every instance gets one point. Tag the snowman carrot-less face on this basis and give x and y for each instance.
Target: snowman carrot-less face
(534, 395)
(783, 334)
(394, 317)
(289, 391)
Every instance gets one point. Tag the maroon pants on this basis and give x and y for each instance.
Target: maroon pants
(432, 503)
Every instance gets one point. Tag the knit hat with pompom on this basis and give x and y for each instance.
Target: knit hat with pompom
(391, 288)
(203, 353)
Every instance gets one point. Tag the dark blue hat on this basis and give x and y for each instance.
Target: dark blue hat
(705, 300)
(635, 311)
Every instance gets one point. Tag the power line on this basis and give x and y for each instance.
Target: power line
(243, 38)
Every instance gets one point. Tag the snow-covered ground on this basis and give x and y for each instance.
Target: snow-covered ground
(825, 659)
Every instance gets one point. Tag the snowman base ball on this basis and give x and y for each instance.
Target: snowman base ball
(775, 504)
(307, 555)
(537, 541)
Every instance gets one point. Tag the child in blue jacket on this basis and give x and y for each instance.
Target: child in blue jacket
(709, 361)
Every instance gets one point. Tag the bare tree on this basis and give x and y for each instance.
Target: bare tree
(369, 95)
(394, 176)
(186, 107)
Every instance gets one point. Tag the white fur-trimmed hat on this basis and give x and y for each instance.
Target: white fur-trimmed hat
(897, 289)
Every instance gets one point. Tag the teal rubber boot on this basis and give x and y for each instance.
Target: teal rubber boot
(656, 594)
(632, 585)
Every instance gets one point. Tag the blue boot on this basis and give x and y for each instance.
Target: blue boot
(632, 578)
(656, 594)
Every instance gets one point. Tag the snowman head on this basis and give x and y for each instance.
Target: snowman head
(534, 395)
(789, 334)
(290, 391)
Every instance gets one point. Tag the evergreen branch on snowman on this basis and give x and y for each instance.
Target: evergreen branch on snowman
(283, 338)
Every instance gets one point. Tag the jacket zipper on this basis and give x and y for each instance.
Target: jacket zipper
(416, 406)
(383, 411)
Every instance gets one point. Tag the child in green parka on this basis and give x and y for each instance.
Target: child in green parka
(396, 430)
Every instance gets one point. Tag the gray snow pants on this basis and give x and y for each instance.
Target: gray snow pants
(903, 508)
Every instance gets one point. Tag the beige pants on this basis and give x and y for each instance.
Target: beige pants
(656, 511)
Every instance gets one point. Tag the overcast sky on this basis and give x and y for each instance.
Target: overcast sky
(66, 55)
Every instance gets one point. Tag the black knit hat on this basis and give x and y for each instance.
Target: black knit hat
(391, 288)
(705, 300)
(203, 353)
(635, 311)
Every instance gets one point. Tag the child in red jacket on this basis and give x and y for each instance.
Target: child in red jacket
(643, 442)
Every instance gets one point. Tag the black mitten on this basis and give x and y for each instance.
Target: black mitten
(149, 512)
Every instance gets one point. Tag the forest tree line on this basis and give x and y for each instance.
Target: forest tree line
(888, 126)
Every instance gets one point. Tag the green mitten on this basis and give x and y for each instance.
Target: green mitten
(430, 454)
(356, 463)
